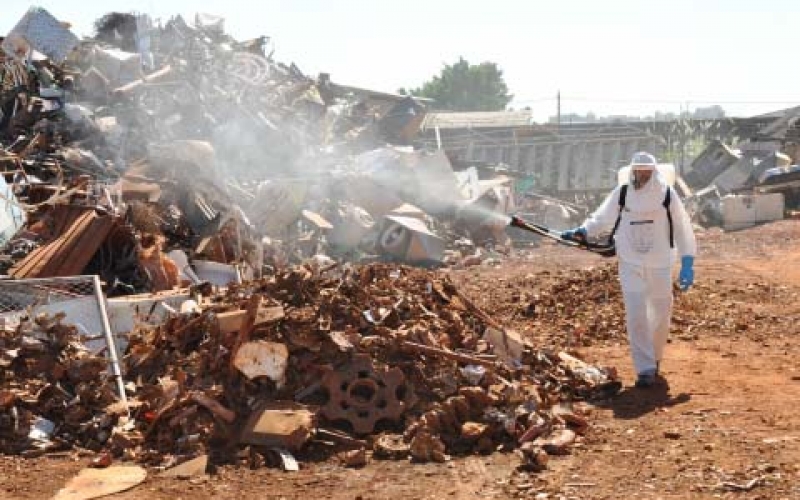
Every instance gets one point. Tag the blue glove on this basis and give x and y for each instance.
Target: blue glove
(686, 276)
(577, 234)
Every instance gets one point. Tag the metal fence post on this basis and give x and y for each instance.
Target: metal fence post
(112, 345)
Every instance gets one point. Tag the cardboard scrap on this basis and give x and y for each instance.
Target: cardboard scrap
(96, 483)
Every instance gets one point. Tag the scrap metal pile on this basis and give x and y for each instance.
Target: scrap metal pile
(390, 359)
(176, 159)
(47, 377)
(156, 156)
(754, 181)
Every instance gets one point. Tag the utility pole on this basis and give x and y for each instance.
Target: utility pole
(558, 111)
(685, 139)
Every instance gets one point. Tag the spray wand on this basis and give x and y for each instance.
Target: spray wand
(604, 250)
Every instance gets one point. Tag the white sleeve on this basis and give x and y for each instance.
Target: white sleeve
(602, 219)
(682, 227)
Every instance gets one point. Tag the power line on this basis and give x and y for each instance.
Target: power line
(676, 101)
(528, 101)
(653, 101)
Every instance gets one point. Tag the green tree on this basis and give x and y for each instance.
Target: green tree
(466, 87)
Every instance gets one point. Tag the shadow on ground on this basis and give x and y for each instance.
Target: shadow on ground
(634, 402)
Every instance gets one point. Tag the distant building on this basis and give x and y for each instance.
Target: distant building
(572, 158)
(709, 113)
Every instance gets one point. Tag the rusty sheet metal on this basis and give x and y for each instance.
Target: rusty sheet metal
(70, 252)
(137, 189)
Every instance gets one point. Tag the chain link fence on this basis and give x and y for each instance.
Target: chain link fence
(20, 296)
(79, 298)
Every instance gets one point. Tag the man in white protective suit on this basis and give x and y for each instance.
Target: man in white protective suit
(649, 224)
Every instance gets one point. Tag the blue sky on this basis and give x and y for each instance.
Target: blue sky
(609, 56)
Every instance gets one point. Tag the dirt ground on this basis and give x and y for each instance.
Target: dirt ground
(725, 424)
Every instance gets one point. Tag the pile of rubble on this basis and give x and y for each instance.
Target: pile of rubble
(379, 358)
(586, 304)
(173, 158)
(54, 392)
(752, 182)
(156, 156)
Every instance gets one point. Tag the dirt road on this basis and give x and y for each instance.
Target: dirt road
(725, 426)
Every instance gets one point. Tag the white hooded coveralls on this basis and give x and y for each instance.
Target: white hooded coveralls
(645, 261)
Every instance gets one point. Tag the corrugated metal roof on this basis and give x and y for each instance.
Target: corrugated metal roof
(774, 115)
(478, 119)
(783, 127)
(377, 93)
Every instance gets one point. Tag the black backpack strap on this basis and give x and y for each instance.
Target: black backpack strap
(667, 199)
(623, 193)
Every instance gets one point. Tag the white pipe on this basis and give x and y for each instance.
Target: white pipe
(112, 346)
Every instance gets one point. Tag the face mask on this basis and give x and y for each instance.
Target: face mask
(640, 178)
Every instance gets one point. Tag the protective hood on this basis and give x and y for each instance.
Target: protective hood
(641, 162)
(650, 196)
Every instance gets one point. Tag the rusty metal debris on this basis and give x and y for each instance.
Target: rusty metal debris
(222, 194)
(248, 222)
(208, 145)
(410, 376)
(47, 377)
(355, 458)
(363, 396)
(391, 446)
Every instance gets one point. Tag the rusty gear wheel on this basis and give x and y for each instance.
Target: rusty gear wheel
(362, 395)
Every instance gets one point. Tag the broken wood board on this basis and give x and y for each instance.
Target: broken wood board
(96, 483)
(189, 469)
(508, 345)
(231, 321)
(281, 424)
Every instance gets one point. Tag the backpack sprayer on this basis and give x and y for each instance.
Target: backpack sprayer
(607, 249)
(604, 250)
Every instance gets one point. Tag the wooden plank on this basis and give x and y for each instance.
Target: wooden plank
(58, 254)
(31, 266)
(65, 218)
(82, 248)
(246, 328)
(61, 256)
(69, 253)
